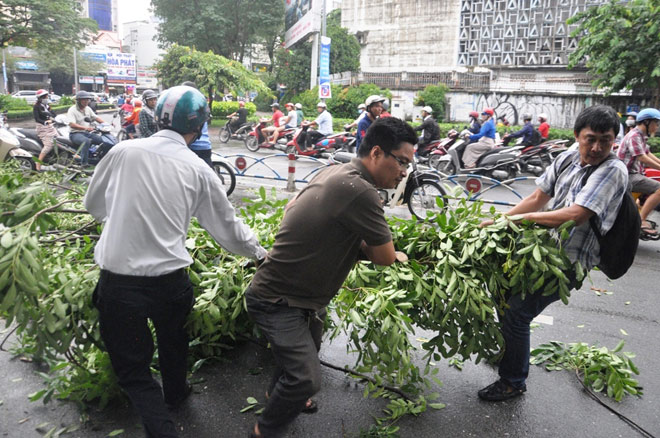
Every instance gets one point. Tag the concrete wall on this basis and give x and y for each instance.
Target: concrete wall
(410, 35)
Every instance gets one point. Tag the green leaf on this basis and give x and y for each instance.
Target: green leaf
(6, 239)
(116, 432)
(437, 405)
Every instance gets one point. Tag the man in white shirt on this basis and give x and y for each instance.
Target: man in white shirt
(81, 131)
(146, 191)
(324, 124)
(287, 122)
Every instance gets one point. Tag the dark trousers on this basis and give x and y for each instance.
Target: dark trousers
(514, 367)
(204, 154)
(125, 303)
(85, 141)
(312, 137)
(294, 335)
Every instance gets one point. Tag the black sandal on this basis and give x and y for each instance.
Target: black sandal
(499, 391)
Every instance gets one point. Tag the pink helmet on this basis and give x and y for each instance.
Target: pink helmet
(41, 93)
(474, 114)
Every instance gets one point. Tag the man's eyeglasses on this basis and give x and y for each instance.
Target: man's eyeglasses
(402, 164)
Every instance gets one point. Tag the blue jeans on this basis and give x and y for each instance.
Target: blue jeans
(294, 335)
(125, 303)
(514, 367)
(85, 140)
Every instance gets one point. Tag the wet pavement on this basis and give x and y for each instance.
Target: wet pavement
(555, 404)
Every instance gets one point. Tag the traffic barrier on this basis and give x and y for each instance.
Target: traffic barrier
(291, 181)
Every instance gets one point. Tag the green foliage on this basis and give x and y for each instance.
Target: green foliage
(221, 109)
(66, 100)
(55, 25)
(263, 100)
(433, 96)
(8, 103)
(654, 144)
(619, 42)
(224, 27)
(212, 73)
(293, 66)
(60, 66)
(600, 368)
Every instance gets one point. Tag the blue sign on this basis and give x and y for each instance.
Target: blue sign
(27, 65)
(325, 92)
(98, 57)
(324, 61)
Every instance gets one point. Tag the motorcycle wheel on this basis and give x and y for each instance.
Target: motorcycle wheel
(434, 161)
(446, 167)
(291, 150)
(224, 135)
(423, 202)
(226, 175)
(26, 164)
(251, 143)
(122, 135)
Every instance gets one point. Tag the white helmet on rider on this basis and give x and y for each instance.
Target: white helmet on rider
(362, 106)
(41, 93)
(321, 105)
(374, 98)
(299, 105)
(543, 116)
(427, 109)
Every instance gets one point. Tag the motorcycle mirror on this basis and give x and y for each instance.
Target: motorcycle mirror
(88, 120)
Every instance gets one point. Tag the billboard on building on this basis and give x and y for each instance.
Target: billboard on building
(302, 17)
(121, 66)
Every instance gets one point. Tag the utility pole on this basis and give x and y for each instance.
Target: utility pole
(314, 81)
(4, 72)
(75, 68)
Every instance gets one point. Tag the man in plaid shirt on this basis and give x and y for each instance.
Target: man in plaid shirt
(636, 155)
(561, 187)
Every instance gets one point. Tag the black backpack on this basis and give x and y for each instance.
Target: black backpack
(536, 137)
(619, 245)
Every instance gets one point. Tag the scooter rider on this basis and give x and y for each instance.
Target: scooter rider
(323, 123)
(361, 113)
(300, 114)
(145, 191)
(485, 137)
(201, 146)
(275, 119)
(286, 122)
(81, 133)
(430, 131)
(527, 132)
(544, 127)
(374, 107)
(636, 155)
(240, 117)
(46, 132)
(148, 126)
(475, 125)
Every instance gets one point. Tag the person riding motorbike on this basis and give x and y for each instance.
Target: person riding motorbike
(275, 120)
(636, 155)
(386, 109)
(527, 132)
(430, 131)
(323, 123)
(485, 139)
(475, 125)
(147, 118)
(374, 107)
(544, 127)
(241, 117)
(81, 133)
(44, 116)
(299, 114)
(286, 122)
(133, 119)
(361, 113)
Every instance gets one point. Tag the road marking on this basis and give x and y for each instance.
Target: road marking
(543, 319)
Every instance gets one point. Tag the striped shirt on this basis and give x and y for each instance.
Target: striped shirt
(602, 194)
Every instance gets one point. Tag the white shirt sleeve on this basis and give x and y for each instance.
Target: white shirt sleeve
(216, 214)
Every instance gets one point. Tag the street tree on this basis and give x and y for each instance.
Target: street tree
(225, 27)
(619, 44)
(212, 73)
(293, 65)
(55, 25)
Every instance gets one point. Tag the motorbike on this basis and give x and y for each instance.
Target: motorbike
(323, 146)
(227, 132)
(63, 151)
(10, 147)
(419, 190)
(98, 151)
(436, 149)
(256, 139)
(499, 163)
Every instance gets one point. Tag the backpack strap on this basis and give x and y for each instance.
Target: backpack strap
(592, 219)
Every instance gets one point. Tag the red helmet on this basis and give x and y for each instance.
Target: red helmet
(474, 114)
(488, 111)
(241, 104)
(137, 102)
(41, 93)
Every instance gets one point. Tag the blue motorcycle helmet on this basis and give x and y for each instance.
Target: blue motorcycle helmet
(182, 109)
(648, 114)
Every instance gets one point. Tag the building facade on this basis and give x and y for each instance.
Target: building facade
(139, 37)
(104, 12)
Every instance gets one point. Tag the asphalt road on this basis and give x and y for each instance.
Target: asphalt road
(555, 404)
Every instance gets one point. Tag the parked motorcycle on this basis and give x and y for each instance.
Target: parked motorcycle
(419, 190)
(225, 171)
(10, 147)
(227, 132)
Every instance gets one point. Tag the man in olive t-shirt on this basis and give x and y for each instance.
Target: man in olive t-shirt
(332, 221)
